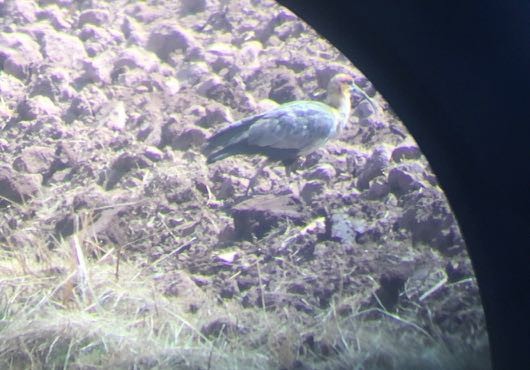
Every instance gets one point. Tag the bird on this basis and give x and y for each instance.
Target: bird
(289, 131)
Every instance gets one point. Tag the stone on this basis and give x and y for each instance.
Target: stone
(35, 159)
(284, 88)
(379, 188)
(153, 153)
(17, 43)
(325, 172)
(221, 327)
(406, 152)
(405, 178)
(113, 115)
(213, 114)
(122, 165)
(192, 6)
(63, 49)
(364, 109)
(37, 106)
(22, 11)
(18, 66)
(99, 68)
(428, 218)
(17, 187)
(133, 31)
(97, 17)
(56, 16)
(168, 38)
(311, 190)
(259, 214)
(375, 165)
(136, 57)
(249, 53)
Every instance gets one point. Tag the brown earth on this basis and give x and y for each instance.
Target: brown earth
(104, 109)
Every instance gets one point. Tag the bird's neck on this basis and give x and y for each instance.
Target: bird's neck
(342, 103)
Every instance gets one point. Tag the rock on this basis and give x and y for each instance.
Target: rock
(182, 137)
(192, 73)
(375, 165)
(133, 31)
(168, 38)
(379, 188)
(17, 187)
(229, 289)
(209, 84)
(391, 284)
(221, 327)
(171, 85)
(35, 159)
(284, 88)
(63, 49)
(19, 45)
(249, 53)
(150, 131)
(12, 92)
(429, 219)
(364, 109)
(99, 68)
(325, 172)
(97, 17)
(341, 228)
(143, 12)
(213, 114)
(220, 55)
(258, 215)
(311, 190)
(37, 106)
(53, 82)
(181, 284)
(18, 66)
(153, 153)
(21, 11)
(405, 178)
(192, 6)
(88, 102)
(406, 152)
(227, 189)
(245, 282)
(56, 16)
(113, 115)
(136, 57)
(122, 165)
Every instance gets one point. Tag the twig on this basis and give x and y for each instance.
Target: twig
(436, 287)
(396, 317)
(260, 287)
(210, 357)
(178, 250)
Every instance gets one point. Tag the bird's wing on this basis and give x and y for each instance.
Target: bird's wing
(297, 125)
(232, 133)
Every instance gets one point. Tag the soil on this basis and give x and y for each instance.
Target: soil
(105, 107)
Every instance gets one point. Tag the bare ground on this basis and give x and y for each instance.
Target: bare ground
(120, 248)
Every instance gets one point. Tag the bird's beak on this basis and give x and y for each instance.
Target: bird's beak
(356, 89)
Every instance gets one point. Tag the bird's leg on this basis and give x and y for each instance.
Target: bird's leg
(252, 181)
(292, 167)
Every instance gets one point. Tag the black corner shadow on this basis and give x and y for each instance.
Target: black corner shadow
(458, 75)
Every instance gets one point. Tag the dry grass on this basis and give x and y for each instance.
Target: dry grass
(65, 308)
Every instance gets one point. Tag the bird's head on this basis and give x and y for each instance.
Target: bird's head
(339, 89)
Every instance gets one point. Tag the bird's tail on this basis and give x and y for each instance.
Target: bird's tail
(219, 154)
(226, 138)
